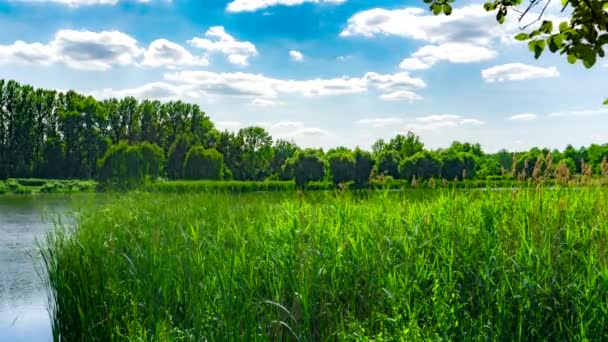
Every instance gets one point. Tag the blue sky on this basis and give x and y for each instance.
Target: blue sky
(321, 72)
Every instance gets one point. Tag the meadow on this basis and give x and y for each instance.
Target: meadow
(446, 264)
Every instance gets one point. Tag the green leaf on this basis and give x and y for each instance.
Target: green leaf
(546, 27)
(522, 36)
(605, 6)
(539, 48)
(571, 58)
(606, 102)
(603, 39)
(436, 8)
(447, 9)
(563, 26)
(489, 6)
(500, 15)
(428, 1)
(589, 60)
(532, 45)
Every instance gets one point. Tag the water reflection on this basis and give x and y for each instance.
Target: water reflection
(23, 219)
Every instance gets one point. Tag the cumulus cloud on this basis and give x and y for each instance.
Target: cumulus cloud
(523, 117)
(517, 72)
(441, 121)
(469, 24)
(162, 52)
(421, 123)
(260, 86)
(296, 56)
(77, 49)
(429, 55)
(401, 95)
(254, 5)
(95, 50)
(237, 52)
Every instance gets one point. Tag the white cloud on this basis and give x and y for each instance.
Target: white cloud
(278, 130)
(77, 49)
(432, 123)
(517, 72)
(27, 53)
(579, 113)
(523, 117)
(414, 64)
(237, 52)
(155, 90)
(401, 95)
(296, 56)
(260, 86)
(381, 122)
(429, 55)
(162, 52)
(469, 24)
(265, 103)
(254, 5)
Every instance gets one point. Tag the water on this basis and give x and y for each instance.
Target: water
(23, 301)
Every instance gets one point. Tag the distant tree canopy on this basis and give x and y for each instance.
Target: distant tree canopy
(581, 37)
(47, 134)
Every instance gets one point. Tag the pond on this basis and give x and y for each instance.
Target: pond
(23, 298)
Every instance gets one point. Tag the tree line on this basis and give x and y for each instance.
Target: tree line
(56, 135)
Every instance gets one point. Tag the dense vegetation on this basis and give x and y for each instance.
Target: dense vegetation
(452, 265)
(126, 143)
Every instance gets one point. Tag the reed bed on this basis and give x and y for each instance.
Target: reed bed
(512, 265)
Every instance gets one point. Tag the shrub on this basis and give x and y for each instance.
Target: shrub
(342, 166)
(203, 164)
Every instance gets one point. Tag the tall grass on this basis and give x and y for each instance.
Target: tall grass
(445, 265)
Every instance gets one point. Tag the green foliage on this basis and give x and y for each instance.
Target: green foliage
(422, 165)
(388, 163)
(364, 165)
(582, 37)
(203, 164)
(342, 166)
(413, 266)
(177, 156)
(126, 166)
(307, 165)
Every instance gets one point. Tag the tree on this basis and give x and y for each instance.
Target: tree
(307, 165)
(582, 37)
(129, 166)
(283, 150)
(342, 165)
(256, 152)
(388, 163)
(407, 145)
(203, 164)
(363, 167)
(177, 156)
(422, 165)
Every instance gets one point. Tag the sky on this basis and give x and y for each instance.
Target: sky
(323, 73)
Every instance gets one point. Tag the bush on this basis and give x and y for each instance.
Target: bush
(203, 164)
(363, 167)
(423, 165)
(307, 165)
(125, 166)
(342, 166)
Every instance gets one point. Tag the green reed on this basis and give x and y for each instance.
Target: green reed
(512, 265)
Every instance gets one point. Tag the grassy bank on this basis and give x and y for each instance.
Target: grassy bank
(26, 186)
(445, 264)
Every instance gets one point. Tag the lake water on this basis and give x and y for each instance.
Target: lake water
(23, 298)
